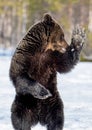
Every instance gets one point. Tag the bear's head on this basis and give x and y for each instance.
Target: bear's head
(55, 35)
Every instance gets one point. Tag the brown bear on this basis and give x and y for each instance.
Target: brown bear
(38, 57)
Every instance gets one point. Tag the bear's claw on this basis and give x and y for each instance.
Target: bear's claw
(78, 37)
(41, 92)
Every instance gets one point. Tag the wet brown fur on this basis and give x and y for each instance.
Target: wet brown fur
(37, 59)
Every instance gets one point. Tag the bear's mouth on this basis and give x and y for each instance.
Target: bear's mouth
(63, 50)
(55, 47)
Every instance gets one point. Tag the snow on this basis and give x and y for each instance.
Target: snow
(75, 89)
(6, 52)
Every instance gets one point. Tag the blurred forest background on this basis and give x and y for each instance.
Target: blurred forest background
(16, 16)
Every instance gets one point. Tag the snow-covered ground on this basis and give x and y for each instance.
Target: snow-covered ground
(75, 89)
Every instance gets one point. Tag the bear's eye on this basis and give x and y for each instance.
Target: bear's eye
(62, 37)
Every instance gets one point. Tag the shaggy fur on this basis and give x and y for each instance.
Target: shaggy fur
(39, 56)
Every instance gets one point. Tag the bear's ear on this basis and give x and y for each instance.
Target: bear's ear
(48, 19)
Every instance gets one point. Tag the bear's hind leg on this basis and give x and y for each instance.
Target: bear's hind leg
(56, 116)
(56, 124)
(19, 123)
(22, 117)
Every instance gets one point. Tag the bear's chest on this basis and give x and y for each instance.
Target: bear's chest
(40, 69)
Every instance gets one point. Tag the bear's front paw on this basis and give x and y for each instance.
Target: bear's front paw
(40, 92)
(22, 90)
(78, 38)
